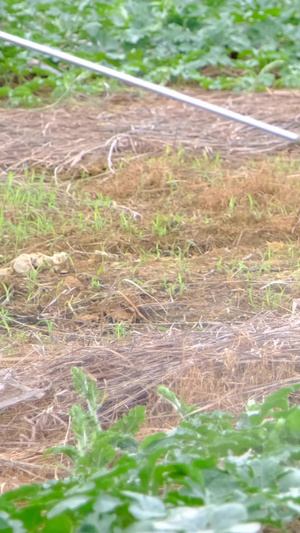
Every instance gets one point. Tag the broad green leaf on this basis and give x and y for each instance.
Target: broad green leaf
(278, 400)
(260, 472)
(93, 523)
(187, 519)
(246, 528)
(9, 525)
(144, 507)
(85, 486)
(290, 479)
(68, 504)
(146, 474)
(21, 493)
(106, 503)
(58, 523)
(228, 515)
(147, 442)
(293, 420)
(130, 424)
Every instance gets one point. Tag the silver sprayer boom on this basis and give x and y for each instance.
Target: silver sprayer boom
(159, 89)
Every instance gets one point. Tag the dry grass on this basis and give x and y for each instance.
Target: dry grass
(78, 137)
(188, 279)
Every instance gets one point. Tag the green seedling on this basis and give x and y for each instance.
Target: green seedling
(6, 321)
(120, 330)
(99, 221)
(159, 225)
(172, 182)
(95, 283)
(7, 294)
(220, 265)
(274, 298)
(129, 225)
(174, 289)
(232, 204)
(33, 285)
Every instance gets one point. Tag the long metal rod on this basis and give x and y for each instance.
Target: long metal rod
(165, 91)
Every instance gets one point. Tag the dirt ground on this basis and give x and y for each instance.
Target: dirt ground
(183, 267)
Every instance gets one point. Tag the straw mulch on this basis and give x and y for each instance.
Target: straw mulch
(104, 130)
(219, 367)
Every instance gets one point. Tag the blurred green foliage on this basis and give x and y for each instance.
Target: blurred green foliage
(219, 44)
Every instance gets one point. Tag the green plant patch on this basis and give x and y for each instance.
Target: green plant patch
(212, 473)
(219, 44)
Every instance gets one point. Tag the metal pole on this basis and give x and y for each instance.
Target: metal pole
(165, 91)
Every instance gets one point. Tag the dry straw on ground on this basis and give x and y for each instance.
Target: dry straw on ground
(75, 138)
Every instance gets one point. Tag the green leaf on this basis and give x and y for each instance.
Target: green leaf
(21, 494)
(260, 472)
(228, 515)
(85, 388)
(68, 504)
(145, 507)
(176, 401)
(8, 525)
(93, 523)
(189, 519)
(292, 420)
(130, 424)
(150, 440)
(278, 400)
(100, 454)
(251, 527)
(106, 503)
(68, 450)
(290, 479)
(4, 91)
(59, 523)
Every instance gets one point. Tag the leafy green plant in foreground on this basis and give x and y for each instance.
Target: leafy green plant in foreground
(249, 44)
(212, 473)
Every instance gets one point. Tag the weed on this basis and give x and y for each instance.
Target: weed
(220, 264)
(251, 202)
(176, 288)
(6, 299)
(120, 330)
(172, 182)
(6, 321)
(163, 224)
(128, 225)
(251, 298)
(232, 204)
(33, 285)
(29, 209)
(50, 327)
(159, 225)
(158, 251)
(274, 298)
(99, 221)
(253, 207)
(95, 283)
